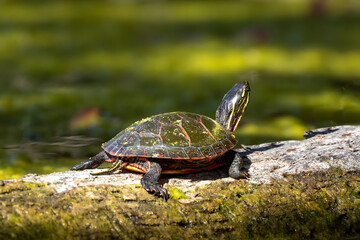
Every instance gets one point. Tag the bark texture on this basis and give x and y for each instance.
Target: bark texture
(296, 190)
(320, 150)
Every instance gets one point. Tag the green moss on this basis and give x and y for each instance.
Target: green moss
(320, 206)
(176, 193)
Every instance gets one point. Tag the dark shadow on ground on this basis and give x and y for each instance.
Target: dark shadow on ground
(222, 172)
(313, 133)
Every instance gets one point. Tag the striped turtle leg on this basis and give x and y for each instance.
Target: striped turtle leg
(236, 171)
(150, 179)
(118, 165)
(93, 162)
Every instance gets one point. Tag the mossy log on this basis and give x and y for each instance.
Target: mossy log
(296, 189)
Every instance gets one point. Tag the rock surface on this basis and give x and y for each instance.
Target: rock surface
(320, 150)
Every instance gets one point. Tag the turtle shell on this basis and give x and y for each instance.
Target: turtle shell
(177, 135)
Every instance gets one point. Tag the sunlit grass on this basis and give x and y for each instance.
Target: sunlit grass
(178, 11)
(285, 127)
(330, 106)
(330, 100)
(51, 39)
(50, 97)
(204, 59)
(22, 167)
(221, 58)
(158, 11)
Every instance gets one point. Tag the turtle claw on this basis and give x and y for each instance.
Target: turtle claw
(161, 192)
(244, 174)
(156, 190)
(164, 195)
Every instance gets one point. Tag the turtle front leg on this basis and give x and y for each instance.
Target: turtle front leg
(150, 179)
(236, 171)
(93, 162)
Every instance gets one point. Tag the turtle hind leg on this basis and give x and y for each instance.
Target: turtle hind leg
(93, 162)
(118, 165)
(236, 169)
(150, 179)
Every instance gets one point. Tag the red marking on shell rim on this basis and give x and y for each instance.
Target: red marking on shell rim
(207, 161)
(188, 163)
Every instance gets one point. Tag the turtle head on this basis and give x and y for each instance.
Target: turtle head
(232, 106)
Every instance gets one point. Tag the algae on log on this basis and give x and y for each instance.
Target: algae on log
(296, 189)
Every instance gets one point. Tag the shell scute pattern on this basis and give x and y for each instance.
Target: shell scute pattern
(193, 152)
(208, 151)
(200, 136)
(174, 136)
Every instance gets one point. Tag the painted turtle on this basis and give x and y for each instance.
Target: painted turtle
(177, 143)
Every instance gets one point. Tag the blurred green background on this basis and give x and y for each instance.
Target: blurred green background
(74, 73)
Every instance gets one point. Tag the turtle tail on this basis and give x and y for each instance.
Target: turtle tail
(92, 162)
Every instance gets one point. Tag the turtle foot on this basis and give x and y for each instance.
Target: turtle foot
(236, 169)
(155, 189)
